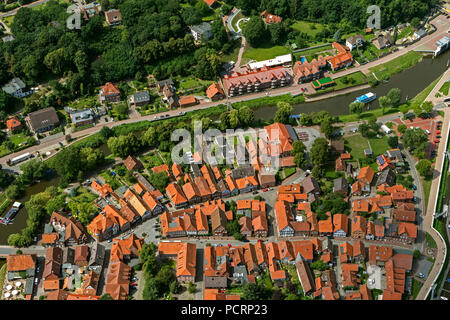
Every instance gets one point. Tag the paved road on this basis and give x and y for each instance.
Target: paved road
(30, 5)
(432, 96)
(293, 89)
(441, 251)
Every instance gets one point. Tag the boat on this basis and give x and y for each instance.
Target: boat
(366, 98)
(7, 219)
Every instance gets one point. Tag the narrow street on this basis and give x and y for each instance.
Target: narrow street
(441, 251)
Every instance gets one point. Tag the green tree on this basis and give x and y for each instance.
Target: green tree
(402, 128)
(424, 167)
(319, 265)
(159, 180)
(106, 132)
(319, 152)
(326, 127)
(356, 107)
(255, 31)
(246, 116)
(192, 288)
(395, 96)
(254, 291)
(384, 102)
(284, 110)
(393, 142)
(14, 192)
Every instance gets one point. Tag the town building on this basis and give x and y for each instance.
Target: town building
(17, 88)
(42, 120)
(109, 93)
(113, 17)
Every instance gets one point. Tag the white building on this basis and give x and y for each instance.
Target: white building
(16, 88)
(284, 60)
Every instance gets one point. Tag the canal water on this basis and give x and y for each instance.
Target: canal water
(410, 81)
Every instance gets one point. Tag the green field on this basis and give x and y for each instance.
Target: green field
(356, 145)
(386, 70)
(430, 241)
(351, 80)
(18, 138)
(368, 114)
(304, 26)
(379, 145)
(265, 52)
(191, 83)
(445, 88)
(315, 51)
(416, 286)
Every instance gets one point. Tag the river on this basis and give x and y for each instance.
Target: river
(410, 81)
(407, 81)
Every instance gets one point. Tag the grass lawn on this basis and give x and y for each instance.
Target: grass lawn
(445, 88)
(232, 56)
(417, 100)
(191, 82)
(85, 102)
(308, 52)
(351, 80)
(18, 138)
(265, 52)
(308, 27)
(416, 285)
(430, 241)
(236, 19)
(8, 20)
(288, 172)
(379, 145)
(84, 195)
(356, 145)
(386, 70)
(426, 185)
(151, 160)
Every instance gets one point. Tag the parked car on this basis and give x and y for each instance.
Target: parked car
(414, 187)
(255, 192)
(264, 190)
(421, 275)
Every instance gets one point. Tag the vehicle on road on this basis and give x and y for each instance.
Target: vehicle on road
(255, 192)
(414, 187)
(265, 190)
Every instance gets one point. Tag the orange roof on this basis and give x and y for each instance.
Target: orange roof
(340, 222)
(346, 156)
(137, 187)
(187, 100)
(379, 253)
(361, 205)
(49, 238)
(177, 171)
(388, 295)
(110, 89)
(244, 204)
(359, 224)
(13, 123)
(136, 202)
(202, 186)
(175, 194)
(231, 183)
(366, 175)
(162, 168)
(410, 229)
(150, 200)
(278, 139)
(326, 226)
(186, 260)
(169, 248)
(201, 221)
(403, 195)
(305, 248)
(131, 245)
(190, 190)
(244, 182)
(282, 214)
(20, 262)
(214, 88)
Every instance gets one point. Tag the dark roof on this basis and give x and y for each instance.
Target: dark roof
(162, 83)
(43, 118)
(97, 255)
(242, 172)
(141, 96)
(216, 282)
(340, 184)
(387, 176)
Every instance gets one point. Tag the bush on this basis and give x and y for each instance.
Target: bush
(192, 288)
